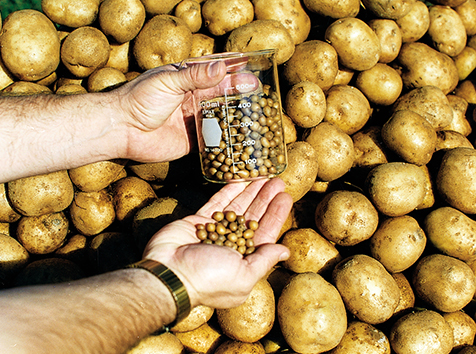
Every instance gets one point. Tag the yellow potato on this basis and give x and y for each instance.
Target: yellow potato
(459, 123)
(121, 19)
(130, 194)
(390, 37)
(311, 314)
(415, 23)
(465, 62)
(369, 292)
(467, 13)
(105, 79)
(464, 328)
(356, 44)
(393, 9)
(191, 12)
(305, 104)
(381, 84)
(346, 218)
(223, 16)
(334, 9)
(72, 14)
(446, 283)
(407, 296)
(446, 30)
(369, 149)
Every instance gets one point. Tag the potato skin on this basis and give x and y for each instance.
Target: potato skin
(393, 9)
(421, 329)
(346, 217)
(359, 53)
(339, 9)
(311, 314)
(121, 19)
(446, 283)
(390, 37)
(446, 30)
(272, 35)
(425, 66)
(414, 24)
(72, 14)
(289, 12)
(362, 338)
(301, 171)
(456, 179)
(29, 45)
(164, 39)
(410, 136)
(396, 188)
(223, 16)
(398, 243)
(314, 61)
(305, 104)
(368, 290)
(381, 84)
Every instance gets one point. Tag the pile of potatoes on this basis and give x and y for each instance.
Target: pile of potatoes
(378, 113)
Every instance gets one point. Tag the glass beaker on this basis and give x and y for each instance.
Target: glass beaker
(239, 125)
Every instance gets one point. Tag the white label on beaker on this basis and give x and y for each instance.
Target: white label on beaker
(211, 132)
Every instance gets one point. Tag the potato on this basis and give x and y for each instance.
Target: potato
(305, 104)
(105, 79)
(369, 149)
(422, 332)
(252, 320)
(381, 84)
(393, 9)
(315, 61)
(42, 194)
(369, 292)
(311, 314)
(346, 217)
(456, 178)
(6, 78)
(42, 234)
(396, 188)
(273, 35)
(75, 249)
(329, 8)
(459, 123)
(344, 76)
(85, 50)
(289, 12)
(452, 232)
(446, 31)
(289, 129)
(410, 136)
(49, 271)
(356, 44)
(398, 243)
(72, 14)
(347, 108)
(198, 316)
(425, 66)
(153, 7)
(335, 150)
(121, 19)
(310, 252)
(202, 45)
(446, 283)
(29, 45)
(13, 257)
(157, 171)
(302, 169)
(430, 102)
(231, 347)
(449, 139)
(362, 338)
(119, 57)
(96, 176)
(25, 88)
(164, 39)
(467, 12)
(191, 12)
(390, 36)
(130, 194)
(429, 199)
(464, 328)
(466, 90)
(7, 213)
(223, 16)
(165, 343)
(407, 296)
(465, 62)
(205, 339)
(92, 212)
(415, 23)
(71, 89)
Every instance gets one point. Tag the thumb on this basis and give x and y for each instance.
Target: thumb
(199, 76)
(265, 258)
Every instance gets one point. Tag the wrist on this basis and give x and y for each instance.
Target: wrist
(173, 284)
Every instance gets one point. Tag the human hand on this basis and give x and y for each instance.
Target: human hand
(158, 107)
(218, 276)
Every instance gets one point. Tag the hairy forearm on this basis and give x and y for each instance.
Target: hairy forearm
(102, 314)
(45, 133)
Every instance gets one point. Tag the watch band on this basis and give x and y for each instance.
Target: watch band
(173, 283)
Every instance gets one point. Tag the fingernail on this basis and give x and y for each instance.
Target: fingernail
(283, 256)
(213, 69)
